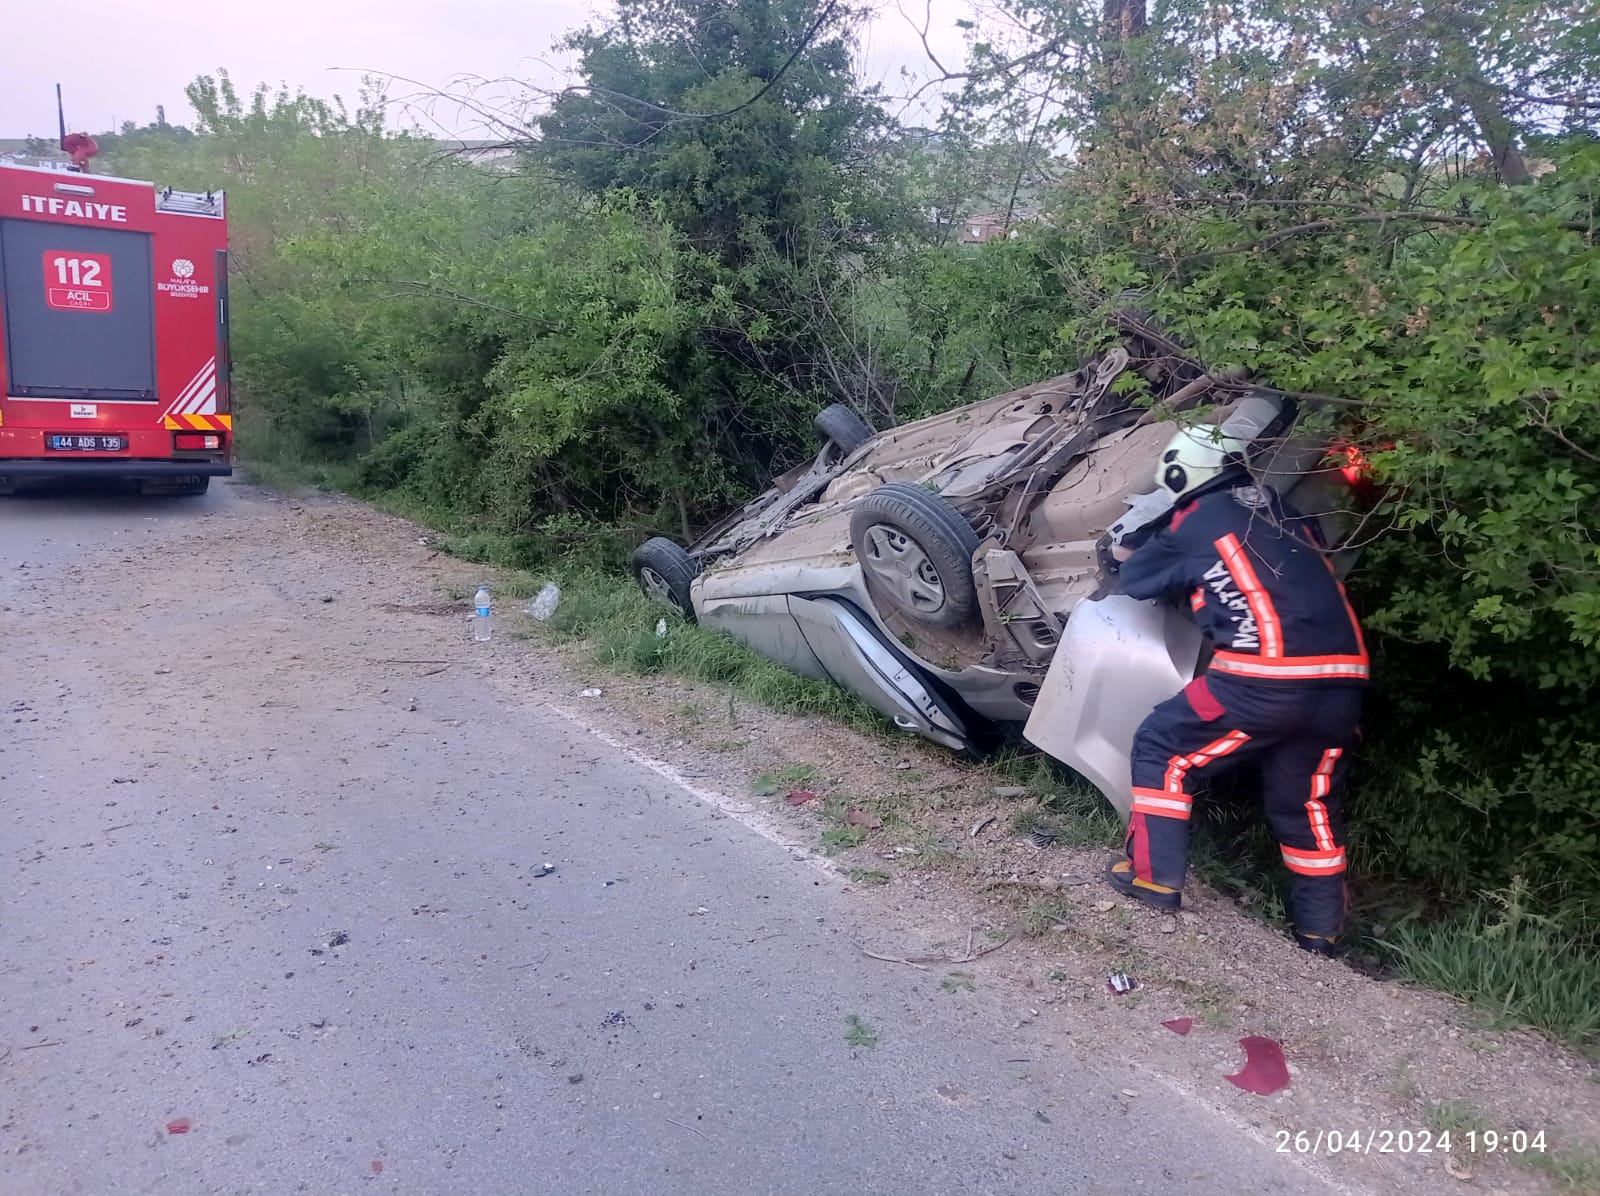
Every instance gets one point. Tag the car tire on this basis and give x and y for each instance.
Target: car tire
(916, 551)
(665, 572)
(839, 424)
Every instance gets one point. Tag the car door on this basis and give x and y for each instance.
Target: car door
(858, 658)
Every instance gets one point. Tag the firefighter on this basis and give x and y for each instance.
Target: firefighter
(1284, 687)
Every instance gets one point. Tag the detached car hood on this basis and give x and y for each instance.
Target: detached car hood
(1119, 657)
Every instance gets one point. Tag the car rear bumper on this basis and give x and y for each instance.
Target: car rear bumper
(119, 467)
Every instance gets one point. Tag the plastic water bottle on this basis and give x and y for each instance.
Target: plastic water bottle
(480, 621)
(545, 604)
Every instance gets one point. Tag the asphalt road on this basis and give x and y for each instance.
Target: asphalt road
(250, 883)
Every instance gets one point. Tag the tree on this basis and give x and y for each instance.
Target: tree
(742, 120)
(742, 127)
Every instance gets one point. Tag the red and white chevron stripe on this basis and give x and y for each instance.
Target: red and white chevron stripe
(200, 396)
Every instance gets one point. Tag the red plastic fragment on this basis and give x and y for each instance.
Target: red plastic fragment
(1264, 1071)
(800, 797)
(178, 1125)
(1179, 1025)
(377, 1166)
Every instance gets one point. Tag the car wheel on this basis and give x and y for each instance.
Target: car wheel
(916, 550)
(843, 426)
(664, 572)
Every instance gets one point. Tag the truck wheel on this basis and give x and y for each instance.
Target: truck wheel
(843, 427)
(664, 572)
(916, 550)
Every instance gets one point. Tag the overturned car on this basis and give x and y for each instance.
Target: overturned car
(949, 571)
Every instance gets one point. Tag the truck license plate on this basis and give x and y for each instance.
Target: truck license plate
(88, 444)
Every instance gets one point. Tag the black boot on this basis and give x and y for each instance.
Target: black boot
(1317, 944)
(1119, 874)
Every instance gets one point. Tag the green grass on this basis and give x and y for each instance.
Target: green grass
(858, 1033)
(868, 876)
(1573, 1171)
(1077, 818)
(1043, 916)
(1456, 1118)
(841, 838)
(288, 477)
(1519, 968)
(1402, 1085)
(793, 776)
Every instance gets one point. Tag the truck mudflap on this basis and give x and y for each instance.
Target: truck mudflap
(1117, 659)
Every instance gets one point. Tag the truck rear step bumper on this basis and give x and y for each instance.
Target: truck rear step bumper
(119, 467)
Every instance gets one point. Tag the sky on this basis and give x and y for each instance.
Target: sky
(125, 58)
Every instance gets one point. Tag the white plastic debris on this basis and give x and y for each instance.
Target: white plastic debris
(545, 602)
(661, 628)
(591, 693)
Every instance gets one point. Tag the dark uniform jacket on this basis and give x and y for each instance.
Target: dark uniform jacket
(1258, 582)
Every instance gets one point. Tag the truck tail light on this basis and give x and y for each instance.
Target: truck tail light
(197, 440)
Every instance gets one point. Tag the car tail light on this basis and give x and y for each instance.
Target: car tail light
(1355, 467)
(197, 440)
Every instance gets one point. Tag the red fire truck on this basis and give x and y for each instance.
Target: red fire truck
(113, 330)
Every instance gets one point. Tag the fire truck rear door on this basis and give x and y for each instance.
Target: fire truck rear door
(79, 312)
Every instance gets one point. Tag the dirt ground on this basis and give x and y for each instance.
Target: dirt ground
(948, 878)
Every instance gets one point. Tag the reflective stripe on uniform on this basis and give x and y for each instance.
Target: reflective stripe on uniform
(1243, 664)
(1162, 803)
(1255, 594)
(1178, 766)
(1314, 863)
(1321, 783)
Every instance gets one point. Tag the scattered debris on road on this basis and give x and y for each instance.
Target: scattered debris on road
(545, 602)
(799, 797)
(233, 1035)
(1265, 1071)
(1180, 1025)
(178, 1125)
(1120, 984)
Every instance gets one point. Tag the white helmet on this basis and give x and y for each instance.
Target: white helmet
(1194, 456)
